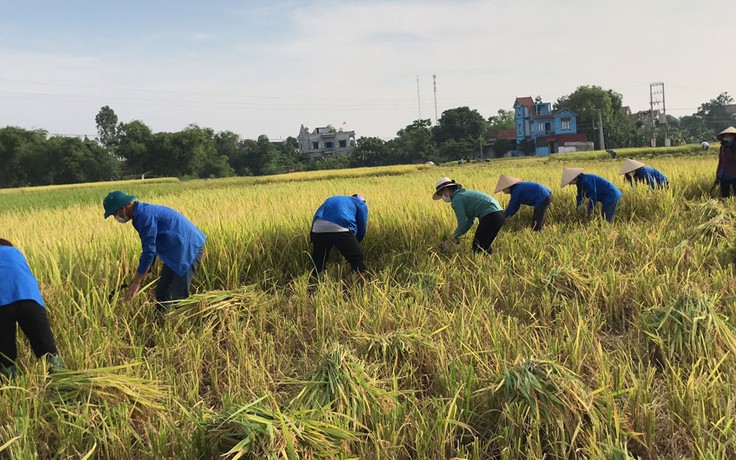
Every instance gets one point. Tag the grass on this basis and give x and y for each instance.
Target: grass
(585, 341)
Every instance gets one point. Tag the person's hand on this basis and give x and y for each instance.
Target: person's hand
(448, 244)
(716, 183)
(132, 290)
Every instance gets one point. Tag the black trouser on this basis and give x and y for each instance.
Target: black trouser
(727, 186)
(488, 228)
(345, 242)
(33, 321)
(539, 213)
(171, 286)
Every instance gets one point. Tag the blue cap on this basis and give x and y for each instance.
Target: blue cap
(114, 201)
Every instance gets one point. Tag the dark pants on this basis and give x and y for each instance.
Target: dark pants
(33, 321)
(488, 228)
(171, 286)
(539, 213)
(727, 186)
(608, 210)
(345, 242)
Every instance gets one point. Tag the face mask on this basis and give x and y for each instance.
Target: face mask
(122, 220)
(728, 140)
(446, 199)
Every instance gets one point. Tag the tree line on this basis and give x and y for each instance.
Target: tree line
(131, 149)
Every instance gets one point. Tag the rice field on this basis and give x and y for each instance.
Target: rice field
(585, 341)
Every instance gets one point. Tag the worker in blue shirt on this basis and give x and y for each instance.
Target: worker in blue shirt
(528, 193)
(637, 172)
(164, 233)
(595, 189)
(21, 303)
(341, 221)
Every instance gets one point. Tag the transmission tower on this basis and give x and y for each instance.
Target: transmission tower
(434, 82)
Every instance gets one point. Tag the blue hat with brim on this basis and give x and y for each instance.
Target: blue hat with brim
(114, 201)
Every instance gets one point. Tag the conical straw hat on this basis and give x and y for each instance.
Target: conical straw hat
(568, 174)
(505, 182)
(631, 166)
(729, 130)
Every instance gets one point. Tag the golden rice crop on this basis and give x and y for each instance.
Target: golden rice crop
(631, 325)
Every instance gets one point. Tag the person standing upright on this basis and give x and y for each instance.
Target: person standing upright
(726, 171)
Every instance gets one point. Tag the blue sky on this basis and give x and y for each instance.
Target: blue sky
(267, 67)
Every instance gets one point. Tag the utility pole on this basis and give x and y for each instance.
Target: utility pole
(600, 131)
(419, 101)
(434, 82)
(656, 90)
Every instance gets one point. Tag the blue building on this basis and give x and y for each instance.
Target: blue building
(551, 131)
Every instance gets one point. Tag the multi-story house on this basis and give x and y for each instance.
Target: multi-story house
(550, 131)
(324, 142)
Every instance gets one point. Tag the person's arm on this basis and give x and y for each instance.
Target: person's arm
(147, 229)
(463, 223)
(652, 181)
(135, 284)
(719, 169)
(581, 195)
(361, 221)
(514, 204)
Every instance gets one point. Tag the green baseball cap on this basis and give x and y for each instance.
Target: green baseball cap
(114, 201)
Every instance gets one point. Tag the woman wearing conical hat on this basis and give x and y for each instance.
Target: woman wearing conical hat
(468, 206)
(726, 172)
(636, 171)
(595, 189)
(528, 193)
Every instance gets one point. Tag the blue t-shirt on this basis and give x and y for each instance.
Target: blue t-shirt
(16, 279)
(528, 193)
(346, 211)
(651, 176)
(167, 234)
(596, 189)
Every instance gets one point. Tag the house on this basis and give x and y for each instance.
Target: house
(501, 142)
(549, 131)
(731, 110)
(326, 141)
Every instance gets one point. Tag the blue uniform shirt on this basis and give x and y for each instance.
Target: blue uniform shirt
(346, 211)
(651, 176)
(528, 193)
(16, 279)
(167, 234)
(596, 189)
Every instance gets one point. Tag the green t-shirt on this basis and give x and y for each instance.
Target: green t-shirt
(470, 205)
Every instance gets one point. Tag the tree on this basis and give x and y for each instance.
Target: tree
(503, 120)
(107, 123)
(17, 147)
(586, 101)
(713, 113)
(134, 141)
(414, 143)
(460, 124)
(465, 128)
(369, 151)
